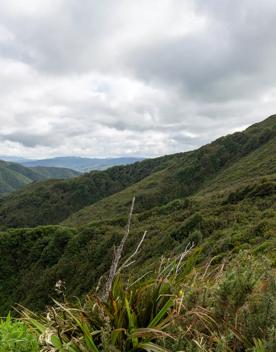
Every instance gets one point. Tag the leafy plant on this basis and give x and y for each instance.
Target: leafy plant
(15, 337)
(134, 317)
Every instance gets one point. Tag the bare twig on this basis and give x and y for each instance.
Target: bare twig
(128, 262)
(118, 254)
(207, 268)
(160, 267)
(172, 266)
(187, 250)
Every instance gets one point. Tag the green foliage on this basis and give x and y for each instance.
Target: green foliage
(15, 337)
(194, 222)
(46, 254)
(212, 308)
(263, 189)
(134, 317)
(48, 172)
(228, 308)
(237, 284)
(25, 262)
(52, 201)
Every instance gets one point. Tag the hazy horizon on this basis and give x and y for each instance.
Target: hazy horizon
(71, 156)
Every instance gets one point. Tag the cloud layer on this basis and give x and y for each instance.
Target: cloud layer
(106, 78)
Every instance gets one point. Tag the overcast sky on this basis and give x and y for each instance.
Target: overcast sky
(125, 77)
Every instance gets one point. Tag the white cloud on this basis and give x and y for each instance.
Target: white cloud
(31, 8)
(139, 78)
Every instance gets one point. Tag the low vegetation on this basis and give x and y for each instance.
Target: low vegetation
(215, 308)
(16, 337)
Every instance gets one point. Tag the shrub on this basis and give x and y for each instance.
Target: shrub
(134, 317)
(189, 225)
(15, 337)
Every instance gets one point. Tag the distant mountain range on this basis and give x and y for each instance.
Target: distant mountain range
(81, 164)
(14, 159)
(14, 176)
(16, 172)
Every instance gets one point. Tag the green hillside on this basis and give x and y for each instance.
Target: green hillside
(52, 201)
(14, 176)
(221, 196)
(49, 172)
(232, 160)
(162, 180)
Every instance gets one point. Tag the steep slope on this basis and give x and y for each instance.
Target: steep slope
(10, 180)
(231, 211)
(230, 161)
(14, 176)
(53, 201)
(82, 164)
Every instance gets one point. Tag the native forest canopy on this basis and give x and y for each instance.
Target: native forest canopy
(190, 266)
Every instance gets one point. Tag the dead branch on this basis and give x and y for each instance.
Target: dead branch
(129, 261)
(118, 254)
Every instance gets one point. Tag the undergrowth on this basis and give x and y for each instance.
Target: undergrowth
(15, 337)
(214, 308)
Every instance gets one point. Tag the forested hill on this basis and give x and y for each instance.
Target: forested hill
(221, 197)
(155, 181)
(53, 201)
(14, 176)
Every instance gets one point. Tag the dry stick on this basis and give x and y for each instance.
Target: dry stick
(118, 255)
(207, 268)
(187, 250)
(160, 267)
(128, 262)
(172, 261)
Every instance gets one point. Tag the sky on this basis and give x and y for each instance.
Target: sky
(138, 78)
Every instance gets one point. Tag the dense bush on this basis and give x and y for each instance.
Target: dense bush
(52, 201)
(212, 308)
(15, 337)
(229, 308)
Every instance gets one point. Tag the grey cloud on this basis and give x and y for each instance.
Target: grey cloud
(31, 140)
(233, 57)
(70, 40)
(110, 78)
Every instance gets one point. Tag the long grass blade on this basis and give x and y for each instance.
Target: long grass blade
(152, 347)
(161, 313)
